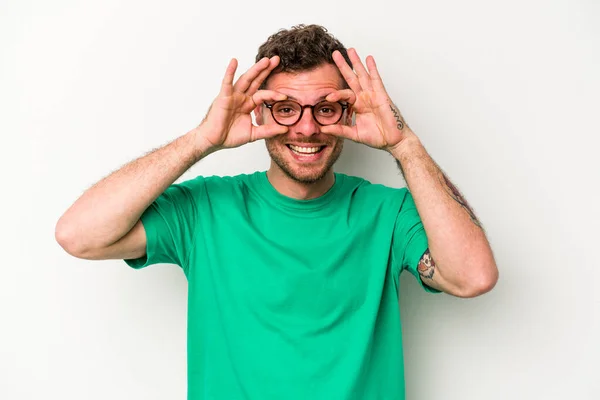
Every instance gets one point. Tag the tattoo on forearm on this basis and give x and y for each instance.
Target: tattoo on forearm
(399, 122)
(426, 266)
(458, 197)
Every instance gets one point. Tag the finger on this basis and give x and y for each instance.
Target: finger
(361, 72)
(346, 71)
(375, 77)
(342, 95)
(243, 83)
(267, 95)
(227, 84)
(273, 63)
(267, 131)
(344, 131)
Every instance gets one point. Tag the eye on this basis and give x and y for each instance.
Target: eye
(327, 109)
(286, 109)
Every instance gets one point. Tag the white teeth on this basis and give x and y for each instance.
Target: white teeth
(304, 150)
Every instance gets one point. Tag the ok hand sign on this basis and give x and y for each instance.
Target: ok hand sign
(379, 123)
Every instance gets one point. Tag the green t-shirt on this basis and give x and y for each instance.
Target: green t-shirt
(289, 299)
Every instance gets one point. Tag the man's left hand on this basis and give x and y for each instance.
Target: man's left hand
(378, 123)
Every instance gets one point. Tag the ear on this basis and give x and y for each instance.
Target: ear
(258, 116)
(349, 118)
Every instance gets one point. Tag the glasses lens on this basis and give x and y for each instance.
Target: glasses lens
(286, 112)
(327, 113)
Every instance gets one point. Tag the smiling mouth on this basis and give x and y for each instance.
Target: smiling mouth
(305, 150)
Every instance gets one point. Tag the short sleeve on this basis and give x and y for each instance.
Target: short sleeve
(170, 224)
(409, 242)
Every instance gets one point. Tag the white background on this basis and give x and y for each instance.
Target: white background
(504, 95)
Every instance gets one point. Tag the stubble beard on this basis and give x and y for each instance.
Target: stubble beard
(306, 175)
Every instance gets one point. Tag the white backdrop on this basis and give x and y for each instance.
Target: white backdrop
(503, 94)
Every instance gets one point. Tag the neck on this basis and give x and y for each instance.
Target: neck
(298, 190)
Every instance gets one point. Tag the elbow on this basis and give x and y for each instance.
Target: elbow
(67, 238)
(483, 281)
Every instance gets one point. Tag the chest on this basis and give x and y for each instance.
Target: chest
(301, 270)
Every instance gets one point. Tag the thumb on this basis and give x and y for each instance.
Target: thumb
(267, 95)
(343, 131)
(267, 131)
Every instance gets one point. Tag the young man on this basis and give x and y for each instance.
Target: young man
(293, 272)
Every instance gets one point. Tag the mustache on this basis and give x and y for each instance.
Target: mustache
(323, 141)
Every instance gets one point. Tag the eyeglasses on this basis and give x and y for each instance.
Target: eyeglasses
(288, 112)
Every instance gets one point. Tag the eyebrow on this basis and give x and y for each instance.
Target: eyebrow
(318, 100)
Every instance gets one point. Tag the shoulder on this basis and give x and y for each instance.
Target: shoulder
(215, 188)
(362, 188)
(376, 202)
(215, 182)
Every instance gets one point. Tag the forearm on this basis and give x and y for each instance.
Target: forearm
(461, 254)
(109, 209)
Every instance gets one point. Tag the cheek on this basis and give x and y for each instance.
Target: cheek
(275, 143)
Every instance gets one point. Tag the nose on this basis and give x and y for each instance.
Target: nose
(307, 125)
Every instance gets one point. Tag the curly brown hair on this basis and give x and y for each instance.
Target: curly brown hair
(301, 48)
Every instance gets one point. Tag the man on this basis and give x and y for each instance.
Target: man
(293, 272)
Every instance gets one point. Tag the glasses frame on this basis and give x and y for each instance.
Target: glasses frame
(312, 111)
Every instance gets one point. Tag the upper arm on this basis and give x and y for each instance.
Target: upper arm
(130, 246)
(167, 229)
(453, 281)
(427, 272)
(164, 232)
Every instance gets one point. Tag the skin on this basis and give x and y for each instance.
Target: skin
(459, 260)
(298, 178)
(104, 222)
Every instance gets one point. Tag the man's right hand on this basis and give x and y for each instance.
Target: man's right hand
(105, 221)
(228, 123)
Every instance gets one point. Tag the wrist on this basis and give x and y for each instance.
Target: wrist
(199, 142)
(407, 146)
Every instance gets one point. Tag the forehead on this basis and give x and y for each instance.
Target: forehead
(307, 85)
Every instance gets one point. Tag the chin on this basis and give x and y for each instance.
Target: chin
(299, 170)
(305, 175)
